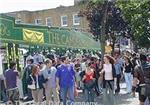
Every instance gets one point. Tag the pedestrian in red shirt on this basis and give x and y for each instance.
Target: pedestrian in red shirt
(89, 84)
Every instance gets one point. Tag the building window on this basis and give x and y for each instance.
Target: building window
(38, 21)
(49, 21)
(76, 19)
(64, 21)
(18, 21)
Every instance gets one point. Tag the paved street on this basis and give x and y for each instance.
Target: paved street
(121, 99)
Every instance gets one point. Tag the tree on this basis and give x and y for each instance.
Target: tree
(137, 14)
(105, 21)
(144, 41)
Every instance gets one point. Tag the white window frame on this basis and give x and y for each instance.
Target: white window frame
(74, 20)
(64, 25)
(38, 23)
(19, 21)
(50, 21)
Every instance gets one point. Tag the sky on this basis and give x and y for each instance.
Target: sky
(31, 5)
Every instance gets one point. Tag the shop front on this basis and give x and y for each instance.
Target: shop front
(16, 37)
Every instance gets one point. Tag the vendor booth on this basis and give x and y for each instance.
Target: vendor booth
(14, 36)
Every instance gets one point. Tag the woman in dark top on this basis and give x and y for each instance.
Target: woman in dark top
(98, 88)
(37, 80)
(127, 73)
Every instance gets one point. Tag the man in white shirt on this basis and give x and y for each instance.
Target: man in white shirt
(50, 85)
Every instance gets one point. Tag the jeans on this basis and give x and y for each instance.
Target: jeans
(67, 91)
(118, 83)
(100, 85)
(108, 94)
(97, 90)
(3, 96)
(128, 80)
(89, 95)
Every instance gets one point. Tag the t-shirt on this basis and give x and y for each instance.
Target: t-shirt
(83, 66)
(108, 71)
(88, 76)
(66, 75)
(11, 78)
(77, 75)
(38, 58)
(128, 68)
(77, 67)
(117, 68)
(50, 74)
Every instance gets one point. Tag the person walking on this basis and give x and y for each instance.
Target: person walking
(65, 81)
(77, 68)
(27, 72)
(98, 87)
(35, 83)
(83, 69)
(109, 80)
(141, 78)
(128, 68)
(11, 76)
(38, 58)
(89, 83)
(118, 67)
(50, 86)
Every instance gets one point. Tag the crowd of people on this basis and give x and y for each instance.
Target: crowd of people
(58, 79)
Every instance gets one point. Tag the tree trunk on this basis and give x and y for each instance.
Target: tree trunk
(102, 37)
(113, 46)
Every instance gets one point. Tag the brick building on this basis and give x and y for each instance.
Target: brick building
(57, 17)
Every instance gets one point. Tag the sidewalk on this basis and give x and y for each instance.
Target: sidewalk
(121, 99)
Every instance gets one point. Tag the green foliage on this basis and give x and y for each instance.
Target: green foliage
(105, 21)
(137, 14)
(144, 41)
(96, 11)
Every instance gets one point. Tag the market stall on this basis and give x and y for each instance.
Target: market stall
(15, 35)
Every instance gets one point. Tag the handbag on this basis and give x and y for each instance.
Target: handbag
(32, 86)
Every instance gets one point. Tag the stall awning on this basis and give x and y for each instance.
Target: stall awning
(44, 36)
